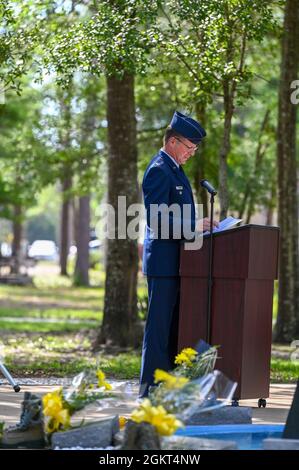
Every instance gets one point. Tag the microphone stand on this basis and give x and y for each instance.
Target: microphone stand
(210, 280)
(9, 378)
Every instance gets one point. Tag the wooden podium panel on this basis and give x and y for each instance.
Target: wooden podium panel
(244, 269)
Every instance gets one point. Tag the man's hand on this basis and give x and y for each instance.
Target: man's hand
(204, 224)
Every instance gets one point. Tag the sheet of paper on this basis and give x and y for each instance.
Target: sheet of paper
(225, 224)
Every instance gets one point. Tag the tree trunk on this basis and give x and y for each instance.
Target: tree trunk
(269, 216)
(229, 93)
(17, 238)
(225, 148)
(82, 215)
(249, 193)
(271, 204)
(198, 169)
(65, 225)
(82, 218)
(287, 325)
(64, 131)
(120, 325)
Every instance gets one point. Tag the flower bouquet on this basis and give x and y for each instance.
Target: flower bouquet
(192, 385)
(60, 405)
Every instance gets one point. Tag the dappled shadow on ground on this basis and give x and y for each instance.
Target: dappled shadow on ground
(51, 291)
(278, 405)
(46, 303)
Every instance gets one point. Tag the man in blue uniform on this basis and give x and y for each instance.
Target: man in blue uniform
(165, 183)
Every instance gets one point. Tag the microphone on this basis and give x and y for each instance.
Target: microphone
(205, 184)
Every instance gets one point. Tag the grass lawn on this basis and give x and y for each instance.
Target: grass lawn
(48, 330)
(284, 371)
(64, 354)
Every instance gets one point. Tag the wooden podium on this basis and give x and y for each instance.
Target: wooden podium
(245, 265)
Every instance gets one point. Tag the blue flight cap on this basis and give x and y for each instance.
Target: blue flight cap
(187, 127)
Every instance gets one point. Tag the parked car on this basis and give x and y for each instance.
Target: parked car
(95, 245)
(5, 250)
(43, 250)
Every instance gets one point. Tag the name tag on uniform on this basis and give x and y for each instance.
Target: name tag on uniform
(179, 188)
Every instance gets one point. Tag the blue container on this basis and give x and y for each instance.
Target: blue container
(247, 436)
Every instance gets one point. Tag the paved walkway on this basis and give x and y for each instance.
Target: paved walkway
(276, 412)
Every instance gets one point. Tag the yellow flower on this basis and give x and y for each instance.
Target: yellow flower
(122, 421)
(186, 356)
(101, 380)
(52, 403)
(164, 423)
(61, 419)
(54, 409)
(169, 380)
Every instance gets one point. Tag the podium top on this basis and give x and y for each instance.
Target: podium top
(243, 227)
(246, 252)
